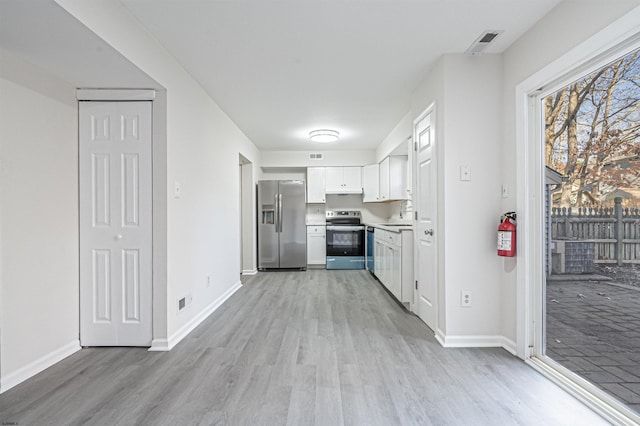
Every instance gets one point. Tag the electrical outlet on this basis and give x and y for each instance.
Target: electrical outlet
(208, 280)
(465, 298)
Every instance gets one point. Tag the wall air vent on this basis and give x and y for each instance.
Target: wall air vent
(313, 156)
(482, 42)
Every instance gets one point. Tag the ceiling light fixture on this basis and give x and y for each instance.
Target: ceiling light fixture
(324, 135)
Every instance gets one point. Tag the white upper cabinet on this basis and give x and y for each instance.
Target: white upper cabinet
(315, 184)
(371, 183)
(393, 178)
(343, 180)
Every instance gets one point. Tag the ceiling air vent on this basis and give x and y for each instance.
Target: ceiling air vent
(317, 156)
(482, 42)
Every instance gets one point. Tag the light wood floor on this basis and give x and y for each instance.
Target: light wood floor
(297, 348)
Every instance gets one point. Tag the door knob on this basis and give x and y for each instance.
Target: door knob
(119, 237)
(428, 232)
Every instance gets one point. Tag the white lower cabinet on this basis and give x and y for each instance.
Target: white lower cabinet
(393, 258)
(316, 245)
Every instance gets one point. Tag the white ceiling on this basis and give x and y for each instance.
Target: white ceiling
(44, 34)
(280, 69)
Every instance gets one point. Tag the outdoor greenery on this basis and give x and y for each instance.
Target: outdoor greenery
(592, 135)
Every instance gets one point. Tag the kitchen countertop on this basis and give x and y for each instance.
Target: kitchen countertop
(393, 227)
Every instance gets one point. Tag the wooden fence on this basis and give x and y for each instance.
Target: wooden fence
(615, 230)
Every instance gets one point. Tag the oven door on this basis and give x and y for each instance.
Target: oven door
(345, 240)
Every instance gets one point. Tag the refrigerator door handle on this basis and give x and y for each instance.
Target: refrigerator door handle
(277, 211)
(279, 227)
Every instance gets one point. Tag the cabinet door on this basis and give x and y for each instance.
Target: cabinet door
(370, 184)
(334, 180)
(384, 179)
(316, 249)
(398, 177)
(352, 179)
(395, 272)
(315, 184)
(378, 256)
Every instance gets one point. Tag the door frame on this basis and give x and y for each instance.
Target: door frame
(623, 35)
(248, 215)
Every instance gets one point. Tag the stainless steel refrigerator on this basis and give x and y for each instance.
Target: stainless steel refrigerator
(282, 231)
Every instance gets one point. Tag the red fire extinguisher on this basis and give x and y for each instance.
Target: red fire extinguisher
(507, 235)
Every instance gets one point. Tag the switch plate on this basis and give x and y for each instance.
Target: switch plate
(208, 280)
(505, 191)
(465, 173)
(177, 190)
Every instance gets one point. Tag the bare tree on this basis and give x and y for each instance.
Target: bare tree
(592, 130)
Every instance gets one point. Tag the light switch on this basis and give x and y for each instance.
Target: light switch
(505, 191)
(177, 190)
(465, 173)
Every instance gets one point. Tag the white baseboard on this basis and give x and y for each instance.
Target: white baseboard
(440, 337)
(38, 365)
(471, 341)
(509, 346)
(476, 342)
(249, 272)
(160, 345)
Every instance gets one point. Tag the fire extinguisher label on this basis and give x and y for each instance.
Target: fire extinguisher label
(504, 240)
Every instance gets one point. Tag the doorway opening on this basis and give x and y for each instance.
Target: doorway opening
(247, 231)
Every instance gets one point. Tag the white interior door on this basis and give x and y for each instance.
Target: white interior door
(426, 248)
(115, 223)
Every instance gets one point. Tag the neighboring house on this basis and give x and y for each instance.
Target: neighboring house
(552, 183)
(622, 180)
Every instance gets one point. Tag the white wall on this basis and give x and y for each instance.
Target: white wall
(330, 158)
(467, 93)
(38, 220)
(472, 116)
(567, 25)
(371, 212)
(299, 173)
(202, 155)
(398, 135)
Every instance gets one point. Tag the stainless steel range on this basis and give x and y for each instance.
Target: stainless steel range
(345, 240)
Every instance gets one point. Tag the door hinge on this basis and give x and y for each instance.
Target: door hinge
(416, 284)
(415, 214)
(415, 146)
